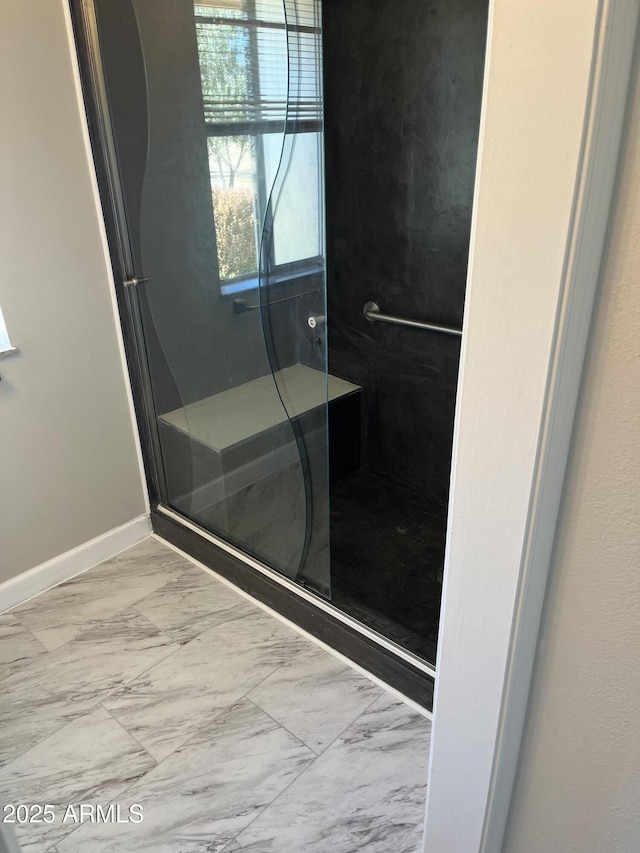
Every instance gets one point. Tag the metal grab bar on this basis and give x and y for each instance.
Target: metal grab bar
(374, 315)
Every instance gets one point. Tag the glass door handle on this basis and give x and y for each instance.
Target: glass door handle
(134, 282)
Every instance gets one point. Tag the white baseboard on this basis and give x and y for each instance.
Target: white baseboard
(34, 581)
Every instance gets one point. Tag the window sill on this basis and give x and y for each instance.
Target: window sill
(10, 351)
(233, 287)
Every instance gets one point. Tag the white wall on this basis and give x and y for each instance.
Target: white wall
(68, 462)
(578, 782)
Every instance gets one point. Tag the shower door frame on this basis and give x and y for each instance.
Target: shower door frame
(404, 671)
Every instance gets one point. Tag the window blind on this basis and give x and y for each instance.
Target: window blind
(260, 64)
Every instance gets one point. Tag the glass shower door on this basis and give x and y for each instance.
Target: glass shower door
(215, 114)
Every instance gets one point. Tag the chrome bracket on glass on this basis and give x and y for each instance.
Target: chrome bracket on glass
(315, 320)
(134, 282)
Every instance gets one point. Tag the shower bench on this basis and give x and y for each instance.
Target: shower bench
(233, 459)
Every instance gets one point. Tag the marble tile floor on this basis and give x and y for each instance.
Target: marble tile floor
(147, 681)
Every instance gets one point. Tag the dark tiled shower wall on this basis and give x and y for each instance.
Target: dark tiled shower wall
(403, 88)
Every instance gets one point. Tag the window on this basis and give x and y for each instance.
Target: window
(5, 343)
(260, 67)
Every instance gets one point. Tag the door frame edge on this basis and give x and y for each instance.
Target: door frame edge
(479, 722)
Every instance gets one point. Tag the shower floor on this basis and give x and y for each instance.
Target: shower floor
(387, 554)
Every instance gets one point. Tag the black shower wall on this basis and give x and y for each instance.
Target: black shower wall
(403, 84)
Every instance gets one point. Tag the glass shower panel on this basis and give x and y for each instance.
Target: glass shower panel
(292, 252)
(216, 115)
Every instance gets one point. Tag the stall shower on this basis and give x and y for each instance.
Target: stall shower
(287, 186)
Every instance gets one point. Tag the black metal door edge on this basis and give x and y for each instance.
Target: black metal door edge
(379, 661)
(91, 97)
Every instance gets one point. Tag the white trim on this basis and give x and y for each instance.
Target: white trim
(301, 592)
(555, 87)
(105, 249)
(380, 683)
(25, 586)
(605, 116)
